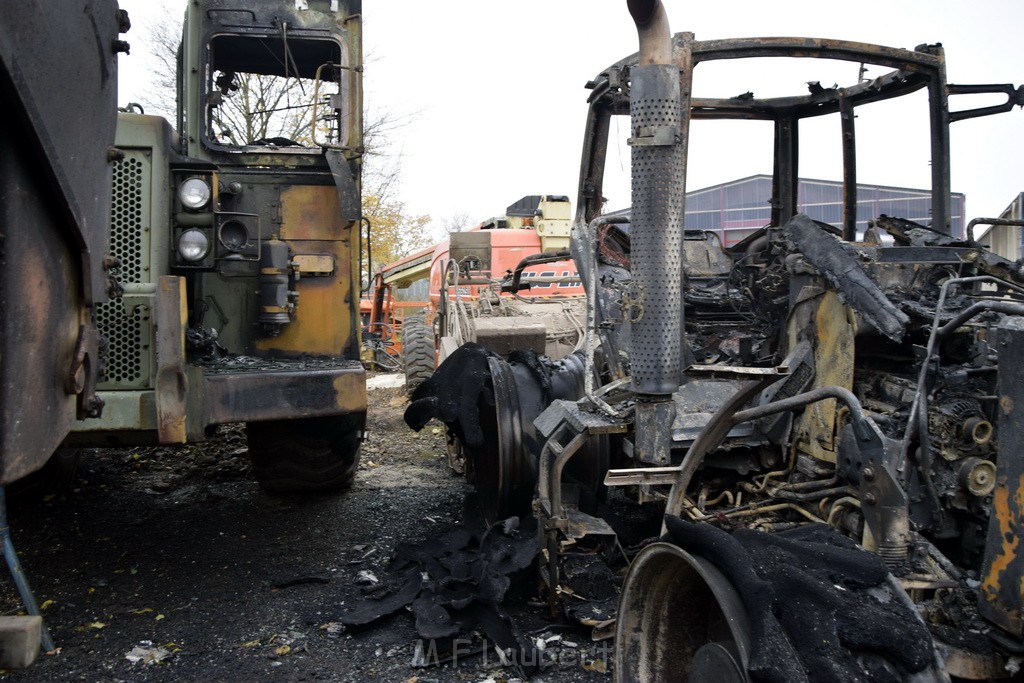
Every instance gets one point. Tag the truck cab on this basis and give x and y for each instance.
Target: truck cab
(238, 234)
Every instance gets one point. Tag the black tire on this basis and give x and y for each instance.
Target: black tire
(417, 351)
(57, 476)
(309, 455)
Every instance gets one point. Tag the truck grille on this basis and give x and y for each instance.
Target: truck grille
(125, 322)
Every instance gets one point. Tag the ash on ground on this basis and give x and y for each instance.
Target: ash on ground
(172, 564)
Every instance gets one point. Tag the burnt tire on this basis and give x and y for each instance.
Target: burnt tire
(417, 351)
(309, 455)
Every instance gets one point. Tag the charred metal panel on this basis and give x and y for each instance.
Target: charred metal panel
(58, 86)
(59, 80)
(39, 319)
(278, 391)
(1002, 578)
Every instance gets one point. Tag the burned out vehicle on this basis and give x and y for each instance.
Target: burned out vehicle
(238, 239)
(827, 414)
(55, 202)
(55, 169)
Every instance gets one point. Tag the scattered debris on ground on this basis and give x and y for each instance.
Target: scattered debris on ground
(179, 550)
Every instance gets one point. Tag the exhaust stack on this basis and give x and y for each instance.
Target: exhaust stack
(658, 189)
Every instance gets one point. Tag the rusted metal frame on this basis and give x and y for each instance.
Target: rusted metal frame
(171, 383)
(938, 108)
(785, 173)
(685, 63)
(848, 125)
(1014, 98)
(889, 86)
(819, 48)
(552, 461)
(553, 457)
(214, 29)
(595, 153)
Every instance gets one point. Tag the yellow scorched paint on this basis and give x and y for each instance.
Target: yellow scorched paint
(990, 585)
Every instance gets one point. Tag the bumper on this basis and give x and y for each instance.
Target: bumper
(286, 390)
(244, 390)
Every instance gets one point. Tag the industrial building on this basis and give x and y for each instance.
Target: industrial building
(737, 208)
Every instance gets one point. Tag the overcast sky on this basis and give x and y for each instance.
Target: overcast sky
(493, 93)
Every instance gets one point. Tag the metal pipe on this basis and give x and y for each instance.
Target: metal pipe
(18, 574)
(922, 377)
(774, 507)
(712, 434)
(653, 31)
(837, 507)
(990, 221)
(801, 400)
(976, 309)
(727, 417)
(810, 496)
(917, 419)
(656, 234)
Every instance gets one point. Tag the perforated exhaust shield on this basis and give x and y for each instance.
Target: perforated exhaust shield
(657, 228)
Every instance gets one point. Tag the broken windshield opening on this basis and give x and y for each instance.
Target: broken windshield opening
(261, 91)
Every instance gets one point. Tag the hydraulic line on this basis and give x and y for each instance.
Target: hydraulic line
(18, 574)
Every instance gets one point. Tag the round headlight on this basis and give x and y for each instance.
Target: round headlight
(194, 193)
(193, 245)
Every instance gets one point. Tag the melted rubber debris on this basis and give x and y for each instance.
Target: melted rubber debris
(455, 583)
(451, 394)
(816, 611)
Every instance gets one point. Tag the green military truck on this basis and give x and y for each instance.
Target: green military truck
(239, 247)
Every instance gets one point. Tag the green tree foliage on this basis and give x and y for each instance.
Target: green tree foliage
(394, 232)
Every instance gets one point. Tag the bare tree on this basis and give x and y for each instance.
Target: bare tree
(161, 38)
(457, 222)
(259, 107)
(254, 107)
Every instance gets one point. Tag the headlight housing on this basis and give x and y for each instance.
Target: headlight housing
(194, 193)
(233, 235)
(193, 245)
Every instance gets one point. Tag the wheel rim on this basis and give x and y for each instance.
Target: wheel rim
(679, 619)
(498, 466)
